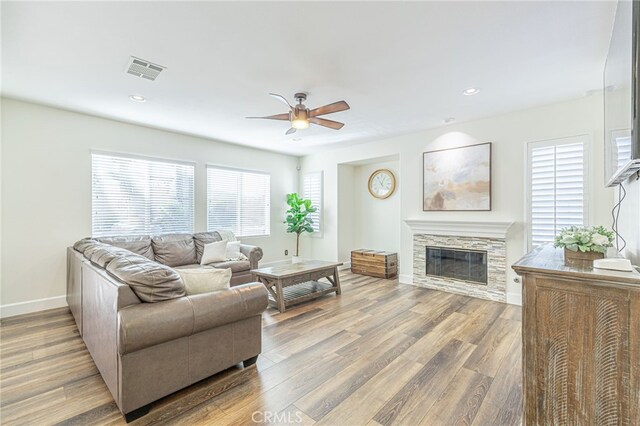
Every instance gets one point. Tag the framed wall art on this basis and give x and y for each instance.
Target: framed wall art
(457, 179)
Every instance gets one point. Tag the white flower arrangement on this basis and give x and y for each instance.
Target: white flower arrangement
(585, 239)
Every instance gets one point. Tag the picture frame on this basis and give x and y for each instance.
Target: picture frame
(457, 179)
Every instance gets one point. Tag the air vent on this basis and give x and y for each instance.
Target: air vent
(145, 69)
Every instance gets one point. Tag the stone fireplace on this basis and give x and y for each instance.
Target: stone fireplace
(466, 258)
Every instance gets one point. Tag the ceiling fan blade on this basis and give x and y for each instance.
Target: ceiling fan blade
(290, 131)
(326, 123)
(284, 116)
(329, 109)
(282, 98)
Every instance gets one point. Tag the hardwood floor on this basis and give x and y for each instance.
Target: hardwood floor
(379, 354)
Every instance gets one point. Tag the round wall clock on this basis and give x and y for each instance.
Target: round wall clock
(382, 183)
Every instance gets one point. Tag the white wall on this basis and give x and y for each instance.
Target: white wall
(629, 225)
(378, 225)
(347, 216)
(46, 190)
(509, 134)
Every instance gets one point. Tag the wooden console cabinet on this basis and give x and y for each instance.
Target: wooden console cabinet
(581, 342)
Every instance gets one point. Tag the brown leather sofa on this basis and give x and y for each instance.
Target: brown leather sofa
(146, 336)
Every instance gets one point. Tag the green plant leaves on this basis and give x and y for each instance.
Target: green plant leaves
(297, 219)
(585, 239)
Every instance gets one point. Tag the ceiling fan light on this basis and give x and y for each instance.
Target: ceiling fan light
(299, 123)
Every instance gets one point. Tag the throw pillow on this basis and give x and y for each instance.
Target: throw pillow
(233, 250)
(214, 252)
(205, 280)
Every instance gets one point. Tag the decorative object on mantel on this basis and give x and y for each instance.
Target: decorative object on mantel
(298, 220)
(582, 245)
(457, 179)
(382, 183)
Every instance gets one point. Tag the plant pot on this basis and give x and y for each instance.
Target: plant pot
(580, 259)
(296, 259)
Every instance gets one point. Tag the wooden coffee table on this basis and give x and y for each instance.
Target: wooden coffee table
(298, 282)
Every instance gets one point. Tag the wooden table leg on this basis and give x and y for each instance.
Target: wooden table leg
(280, 298)
(336, 277)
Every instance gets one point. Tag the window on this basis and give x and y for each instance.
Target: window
(312, 189)
(134, 195)
(239, 201)
(556, 181)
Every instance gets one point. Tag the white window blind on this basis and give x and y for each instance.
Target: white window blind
(623, 148)
(312, 189)
(239, 201)
(132, 195)
(556, 188)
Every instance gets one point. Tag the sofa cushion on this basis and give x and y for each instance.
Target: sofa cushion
(192, 266)
(149, 280)
(202, 238)
(204, 280)
(83, 244)
(91, 248)
(214, 252)
(174, 249)
(234, 265)
(102, 255)
(139, 244)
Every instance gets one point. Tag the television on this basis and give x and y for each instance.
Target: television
(622, 96)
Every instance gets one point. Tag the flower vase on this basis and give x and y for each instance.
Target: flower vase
(581, 259)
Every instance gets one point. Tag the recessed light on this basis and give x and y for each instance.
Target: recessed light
(449, 120)
(471, 91)
(137, 98)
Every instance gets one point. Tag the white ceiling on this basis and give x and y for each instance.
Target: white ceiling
(401, 66)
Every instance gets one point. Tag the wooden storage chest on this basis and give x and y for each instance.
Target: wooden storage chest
(381, 264)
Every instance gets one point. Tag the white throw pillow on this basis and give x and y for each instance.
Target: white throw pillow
(214, 252)
(204, 280)
(233, 250)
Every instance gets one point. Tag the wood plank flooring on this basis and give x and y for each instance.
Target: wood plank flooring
(379, 354)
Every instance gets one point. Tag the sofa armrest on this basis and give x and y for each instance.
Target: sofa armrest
(149, 324)
(226, 306)
(254, 254)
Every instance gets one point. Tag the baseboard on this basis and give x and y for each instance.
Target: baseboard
(514, 299)
(13, 309)
(405, 279)
(345, 265)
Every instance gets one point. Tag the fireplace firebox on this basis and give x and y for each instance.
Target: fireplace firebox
(465, 265)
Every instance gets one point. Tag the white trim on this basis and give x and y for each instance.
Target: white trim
(143, 157)
(235, 169)
(345, 265)
(481, 229)
(405, 278)
(13, 309)
(514, 299)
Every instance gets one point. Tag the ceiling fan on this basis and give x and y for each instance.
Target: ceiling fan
(300, 116)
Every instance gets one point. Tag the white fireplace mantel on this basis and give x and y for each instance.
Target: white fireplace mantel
(459, 228)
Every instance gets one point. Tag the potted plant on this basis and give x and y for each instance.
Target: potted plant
(582, 245)
(298, 220)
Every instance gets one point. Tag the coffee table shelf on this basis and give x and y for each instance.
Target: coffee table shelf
(296, 283)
